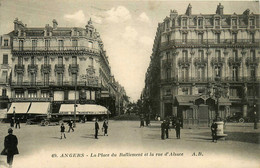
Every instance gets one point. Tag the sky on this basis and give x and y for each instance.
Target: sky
(127, 28)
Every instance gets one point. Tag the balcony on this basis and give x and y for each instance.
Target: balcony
(53, 49)
(19, 68)
(252, 61)
(217, 62)
(210, 43)
(45, 68)
(59, 68)
(73, 68)
(200, 62)
(184, 62)
(234, 61)
(32, 68)
(166, 64)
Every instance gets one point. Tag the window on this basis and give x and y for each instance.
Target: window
(91, 61)
(234, 37)
(184, 37)
(44, 94)
(34, 44)
(90, 44)
(33, 78)
(74, 60)
(184, 73)
(184, 22)
(93, 95)
(60, 79)
(173, 23)
(5, 59)
(185, 55)
(74, 44)
(251, 22)
(218, 55)
(74, 78)
(201, 74)
(19, 94)
(201, 55)
(46, 79)
(3, 92)
(168, 73)
(235, 55)
(200, 23)
(167, 92)
(233, 92)
(20, 60)
(217, 37)
(47, 44)
(200, 37)
(46, 60)
(19, 78)
(90, 33)
(60, 60)
(32, 94)
(4, 76)
(61, 44)
(21, 45)
(252, 37)
(252, 55)
(32, 60)
(5, 42)
(252, 73)
(168, 38)
(234, 22)
(217, 71)
(217, 23)
(235, 73)
(167, 24)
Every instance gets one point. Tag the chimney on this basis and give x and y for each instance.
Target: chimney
(55, 24)
(220, 9)
(188, 11)
(16, 24)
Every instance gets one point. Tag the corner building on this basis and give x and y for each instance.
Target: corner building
(190, 51)
(50, 64)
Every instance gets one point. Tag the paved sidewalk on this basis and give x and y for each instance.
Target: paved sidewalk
(42, 147)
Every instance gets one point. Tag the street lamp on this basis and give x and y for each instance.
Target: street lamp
(217, 94)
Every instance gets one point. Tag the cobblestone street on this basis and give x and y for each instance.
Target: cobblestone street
(130, 146)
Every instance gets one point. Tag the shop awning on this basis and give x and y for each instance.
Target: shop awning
(39, 108)
(88, 109)
(20, 108)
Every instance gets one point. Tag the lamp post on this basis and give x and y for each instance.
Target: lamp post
(75, 104)
(217, 93)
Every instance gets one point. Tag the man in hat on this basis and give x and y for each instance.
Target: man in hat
(96, 129)
(178, 129)
(10, 147)
(17, 123)
(163, 125)
(70, 126)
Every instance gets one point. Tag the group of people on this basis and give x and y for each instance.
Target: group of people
(165, 126)
(104, 128)
(15, 121)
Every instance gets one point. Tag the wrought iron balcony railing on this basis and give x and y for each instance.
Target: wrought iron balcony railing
(252, 61)
(74, 68)
(19, 68)
(59, 68)
(217, 61)
(32, 68)
(53, 48)
(184, 62)
(201, 62)
(234, 61)
(45, 68)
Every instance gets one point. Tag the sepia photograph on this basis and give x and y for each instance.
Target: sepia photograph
(129, 84)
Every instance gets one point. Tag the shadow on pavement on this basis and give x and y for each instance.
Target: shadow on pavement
(55, 137)
(89, 137)
(249, 137)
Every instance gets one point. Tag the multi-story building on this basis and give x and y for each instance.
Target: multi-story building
(190, 51)
(54, 65)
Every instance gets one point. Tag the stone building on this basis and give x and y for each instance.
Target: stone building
(54, 65)
(190, 51)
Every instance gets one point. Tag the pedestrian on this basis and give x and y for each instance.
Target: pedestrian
(214, 127)
(96, 129)
(159, 118)
(167, 127)
(62, 131)
(12, 122)
(70, 126)
(255, 120)
(178, 129)
(10, 147)
(17, 123)
(105, 127)
(142, 122)
(163, 129)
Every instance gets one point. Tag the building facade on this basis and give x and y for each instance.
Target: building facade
(191, 50)
(59, 65)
